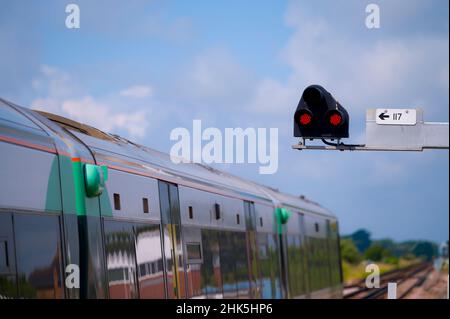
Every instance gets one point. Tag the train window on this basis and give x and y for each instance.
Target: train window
(261, 221)
(145, 205)
(227, 264)
(38, 254)
(148, 257)
(238, 219)
(316, 226)
(194, 252)
(121, 259)
(191, 213)
(116, 201)
(250, 215)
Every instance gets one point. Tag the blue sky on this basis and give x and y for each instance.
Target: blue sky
(142, 68)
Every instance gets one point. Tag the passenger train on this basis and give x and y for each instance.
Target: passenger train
(87, 214)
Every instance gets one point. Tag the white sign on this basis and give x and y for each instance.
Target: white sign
(396, 116)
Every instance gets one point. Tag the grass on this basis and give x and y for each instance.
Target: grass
(353, 273)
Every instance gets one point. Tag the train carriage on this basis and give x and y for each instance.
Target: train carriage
(154, 230)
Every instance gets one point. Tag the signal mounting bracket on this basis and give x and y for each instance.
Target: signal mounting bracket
(393, 130)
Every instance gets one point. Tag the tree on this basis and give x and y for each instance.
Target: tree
(425, 249)
(376, 252)
(362, 240)
(349, 252)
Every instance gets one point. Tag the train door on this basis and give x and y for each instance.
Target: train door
(174, 263)
(250, 224)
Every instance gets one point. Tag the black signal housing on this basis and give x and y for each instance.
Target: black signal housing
(328, 119)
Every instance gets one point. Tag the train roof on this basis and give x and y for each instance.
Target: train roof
(99, 142)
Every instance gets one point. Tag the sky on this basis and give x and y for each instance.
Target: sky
(142, 68)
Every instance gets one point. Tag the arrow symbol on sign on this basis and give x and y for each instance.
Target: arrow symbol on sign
(383, 116)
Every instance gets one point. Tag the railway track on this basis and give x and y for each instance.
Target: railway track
(406, 278)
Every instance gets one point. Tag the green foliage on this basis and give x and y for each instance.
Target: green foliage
(377, 252)
(392, 260)
(425, 249)
(362, 240)
(349, 252)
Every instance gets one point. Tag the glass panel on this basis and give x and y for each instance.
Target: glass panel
(8, 287)
(269, 267)
(121, 260)
(38, 253)
(251, 248)
(178, 244)
(252, 254)
(164, 202)
(168, 253)
(264, 266)
(319, 266)
(314, 271)
(96, 273)
(173, 246)
(72, 248)
(273, 253)
(295, 266)
(240, 258)
(228, 265)
(211, 273)
(149, 261)
(334, 252)
(194, 252)
(250, 216)
(193, 273)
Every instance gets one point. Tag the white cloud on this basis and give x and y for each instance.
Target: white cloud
(214, 77)
(137, 91)
(59, 94)
(361, 74)
(271, 96)
(88, 110)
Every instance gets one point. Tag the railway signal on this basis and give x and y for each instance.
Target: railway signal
(320, 116)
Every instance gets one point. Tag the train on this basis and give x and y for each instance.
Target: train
(90, 214)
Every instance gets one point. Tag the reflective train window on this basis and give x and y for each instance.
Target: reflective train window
(194, 252)
(149, 261)
(38, 253)
(121, 259)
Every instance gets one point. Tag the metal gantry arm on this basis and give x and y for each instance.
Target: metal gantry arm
(422, 135)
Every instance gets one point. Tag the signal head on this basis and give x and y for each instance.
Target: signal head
(319, 115)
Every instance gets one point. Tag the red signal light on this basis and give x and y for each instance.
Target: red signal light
(305, 119)
(335, 119)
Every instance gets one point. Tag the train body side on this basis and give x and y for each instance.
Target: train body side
(158, 230)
